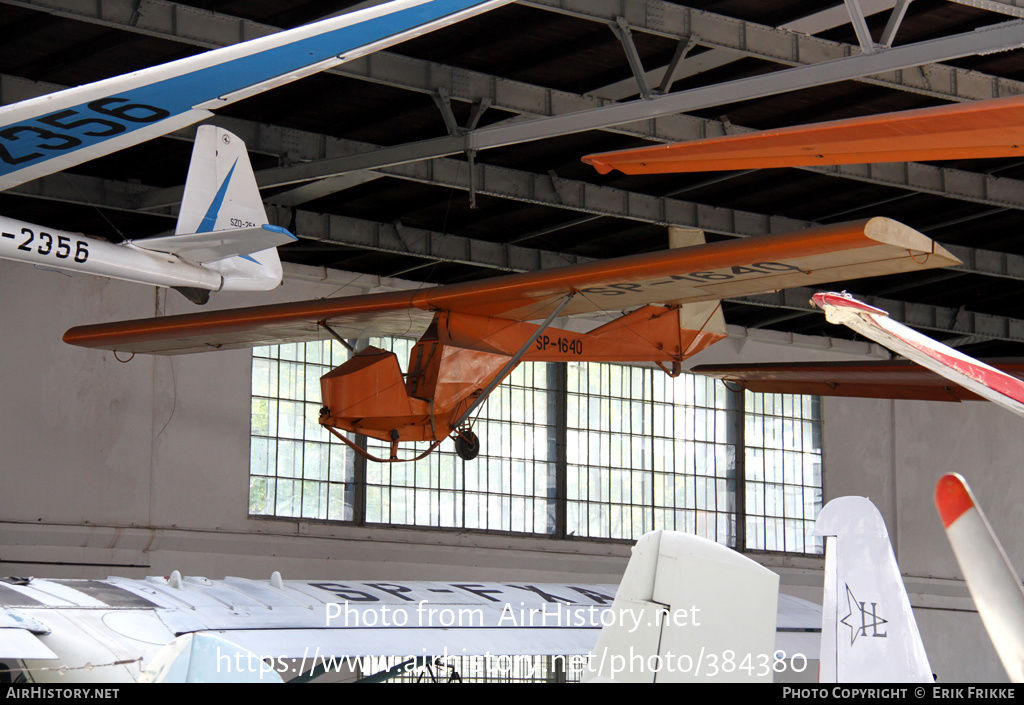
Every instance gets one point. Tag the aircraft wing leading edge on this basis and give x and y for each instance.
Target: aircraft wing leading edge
(684, 275)
(983, 129)
(985, 381)
(53, 132)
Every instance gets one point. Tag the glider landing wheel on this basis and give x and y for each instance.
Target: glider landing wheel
(467, 445)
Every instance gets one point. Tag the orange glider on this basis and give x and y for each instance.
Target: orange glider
(474, 334)
(982, 129)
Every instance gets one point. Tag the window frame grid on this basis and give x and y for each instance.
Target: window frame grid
(325, 494)
(630, 490)
(787, 517)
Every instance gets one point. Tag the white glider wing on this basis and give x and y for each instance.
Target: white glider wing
(53, 132)
(241, 629)
(1005, 390)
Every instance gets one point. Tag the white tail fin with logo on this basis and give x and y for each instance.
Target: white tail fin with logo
(222, 224)
(868, 630)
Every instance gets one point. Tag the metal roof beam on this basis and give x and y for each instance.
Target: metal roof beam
(508, 95)
(500, 182)
(671, 70)
(834, 16)
(892, 26)
(984, 189)
(979, 188)
(90, 191)
(156, 18)
(169, 20)
(431, 245)
(399, 71)
(1014, 8)
(620, 113)
(513, 184)
(860, 26)
(814, 23)
(621, 30)
(305, 145)
(668, 19)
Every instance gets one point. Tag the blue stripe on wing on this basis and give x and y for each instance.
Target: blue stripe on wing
(29, 143)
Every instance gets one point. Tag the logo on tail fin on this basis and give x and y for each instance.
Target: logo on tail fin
(869, 618)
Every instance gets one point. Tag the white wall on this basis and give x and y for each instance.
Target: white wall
(140, 468)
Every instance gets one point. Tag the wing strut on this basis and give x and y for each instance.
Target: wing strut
(510, 365)
(334, 334)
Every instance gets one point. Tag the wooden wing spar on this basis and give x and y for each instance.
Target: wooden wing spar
(982, 129)
(474, 334)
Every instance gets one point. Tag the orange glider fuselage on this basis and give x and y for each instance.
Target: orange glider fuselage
(461, 354)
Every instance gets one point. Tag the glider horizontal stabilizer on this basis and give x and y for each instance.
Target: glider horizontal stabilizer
(220, 244)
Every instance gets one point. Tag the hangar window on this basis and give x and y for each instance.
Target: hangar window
(594, 450)
(296, 469)
(783, 471)
(646, 450)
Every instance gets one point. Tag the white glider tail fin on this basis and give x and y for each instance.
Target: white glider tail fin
(868, 630)
(990, 577)
(222, 223)
(689, 609)
(220, 191)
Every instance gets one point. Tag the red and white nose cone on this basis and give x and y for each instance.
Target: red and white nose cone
(952, 498)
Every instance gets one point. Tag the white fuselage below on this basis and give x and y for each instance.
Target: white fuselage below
(48, 247)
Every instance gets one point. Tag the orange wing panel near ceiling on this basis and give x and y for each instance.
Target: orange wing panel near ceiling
(983, 129)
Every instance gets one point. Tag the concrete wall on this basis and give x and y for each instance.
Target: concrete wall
(140, 468)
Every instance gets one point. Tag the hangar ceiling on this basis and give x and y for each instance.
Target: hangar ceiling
(456, 155)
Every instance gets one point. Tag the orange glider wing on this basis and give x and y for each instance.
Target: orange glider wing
(983, 129)
(720, 270)
(875, 379)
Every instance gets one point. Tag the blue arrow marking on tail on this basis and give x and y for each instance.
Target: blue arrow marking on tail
(210, 219)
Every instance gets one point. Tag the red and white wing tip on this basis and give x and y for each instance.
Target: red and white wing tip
(830, 298)
(953, 498)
